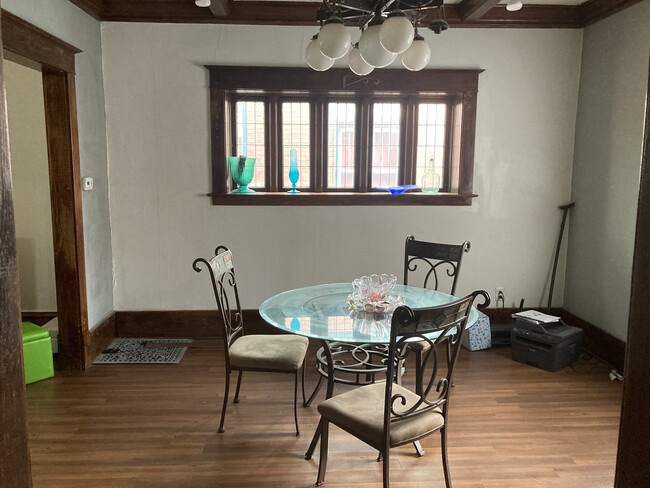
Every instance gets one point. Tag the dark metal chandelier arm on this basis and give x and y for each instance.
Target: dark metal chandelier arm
(354, 9)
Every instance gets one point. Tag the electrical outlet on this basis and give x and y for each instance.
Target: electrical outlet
(500, 295)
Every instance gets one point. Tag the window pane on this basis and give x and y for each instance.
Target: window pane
(385, 144)
(431, 139)
(341, 118)
(250, 133)
(295, 135)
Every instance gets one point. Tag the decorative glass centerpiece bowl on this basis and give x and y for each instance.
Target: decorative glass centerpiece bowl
(242, 170)
(375, 293)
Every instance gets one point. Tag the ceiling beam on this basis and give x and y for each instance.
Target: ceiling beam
(594, 10)
(91, 7)
(475, 9)
(468, 13)
(220, 8)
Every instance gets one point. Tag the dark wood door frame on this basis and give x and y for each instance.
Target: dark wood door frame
(56, 60)
(15, 468)
(632, 467)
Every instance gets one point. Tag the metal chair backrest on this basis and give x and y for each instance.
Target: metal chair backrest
(224, 284)
(449, 321)
(437, 259)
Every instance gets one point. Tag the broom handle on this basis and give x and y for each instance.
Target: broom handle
(565, 210)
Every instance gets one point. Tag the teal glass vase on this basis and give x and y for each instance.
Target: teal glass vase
(242, 170)
(294, 174)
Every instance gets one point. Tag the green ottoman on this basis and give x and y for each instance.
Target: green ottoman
(37, 351)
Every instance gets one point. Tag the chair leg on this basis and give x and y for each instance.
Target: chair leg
(295, 402)
(315, 392)
(304, 401)
(445, 459)
(322, 463)
(418, 372)
(448, 342)
(236, 400)
(225, 402)
(385, 474)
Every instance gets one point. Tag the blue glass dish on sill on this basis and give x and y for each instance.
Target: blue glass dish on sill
(397, 190)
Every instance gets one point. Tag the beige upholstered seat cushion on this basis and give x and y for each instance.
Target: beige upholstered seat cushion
(361, 412)
(278, 352)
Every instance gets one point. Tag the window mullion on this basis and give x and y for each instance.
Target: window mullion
(364, 131)
(409, 142)
(319, 142)
(273, 146)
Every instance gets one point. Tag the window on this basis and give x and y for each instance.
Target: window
(350, 135)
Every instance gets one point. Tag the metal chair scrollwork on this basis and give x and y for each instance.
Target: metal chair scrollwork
(268, 353)
(433, 263)
(386, 415)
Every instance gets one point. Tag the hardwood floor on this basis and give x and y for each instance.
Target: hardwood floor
(512, 426)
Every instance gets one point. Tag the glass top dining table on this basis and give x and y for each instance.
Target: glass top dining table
(322, 312)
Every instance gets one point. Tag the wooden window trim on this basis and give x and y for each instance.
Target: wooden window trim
(459, 86)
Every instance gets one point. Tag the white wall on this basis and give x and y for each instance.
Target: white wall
(156, 91)
(609, 143)
(31, 187)
(67, 22)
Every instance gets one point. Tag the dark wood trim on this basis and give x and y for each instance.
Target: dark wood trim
(179, 324)
(67, 222)
(99, 338)
(228, 82)
(15, 467)
(21, 37)
(38, 318)
(427, 81)
(594, 10)
(341, 198)
(57, 65)
(93, 8)
(598, 342)
(632, 467)
(469, 13)
(220, 8)
(475, 9)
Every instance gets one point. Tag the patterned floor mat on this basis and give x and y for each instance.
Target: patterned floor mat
(139, 351)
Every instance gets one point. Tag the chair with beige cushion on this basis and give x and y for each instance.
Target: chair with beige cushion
(386, 415)
(431, 264)
(269, 353)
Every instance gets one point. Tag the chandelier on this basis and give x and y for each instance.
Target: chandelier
(388, 28)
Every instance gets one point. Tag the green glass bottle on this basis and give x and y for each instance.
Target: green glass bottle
(431, 179)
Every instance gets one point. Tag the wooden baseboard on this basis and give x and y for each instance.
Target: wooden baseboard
(204, 324)
(601, 344)
(99, 338)
(38, 318)
(190, 324)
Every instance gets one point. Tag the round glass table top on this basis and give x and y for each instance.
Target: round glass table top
(322, 312)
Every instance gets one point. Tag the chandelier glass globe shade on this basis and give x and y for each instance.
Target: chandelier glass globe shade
(202, 3)
(334, 38)
(357, 64)
(396, 33)
(371, 49)
(316, 59)
(417, 56)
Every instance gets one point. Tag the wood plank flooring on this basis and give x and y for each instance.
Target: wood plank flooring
(133, 426)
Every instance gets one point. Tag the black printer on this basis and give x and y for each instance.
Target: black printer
(549, 346)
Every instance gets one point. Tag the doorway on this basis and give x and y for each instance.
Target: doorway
(55, 61)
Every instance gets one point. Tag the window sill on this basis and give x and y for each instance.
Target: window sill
(335, 199)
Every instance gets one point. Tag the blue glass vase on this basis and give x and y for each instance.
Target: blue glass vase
(294, 174)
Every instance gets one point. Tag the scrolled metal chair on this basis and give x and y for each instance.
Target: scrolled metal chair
(257, 352)
(434, 263)
(386, 415)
